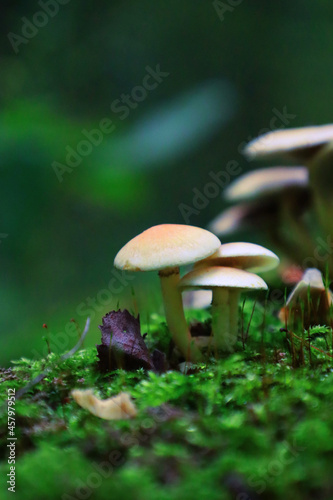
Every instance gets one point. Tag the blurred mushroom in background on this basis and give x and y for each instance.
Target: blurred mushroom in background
(314, 147)
(309, 303)
(274, 202)
(300, 144)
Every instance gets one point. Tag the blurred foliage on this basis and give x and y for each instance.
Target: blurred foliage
(225, 79)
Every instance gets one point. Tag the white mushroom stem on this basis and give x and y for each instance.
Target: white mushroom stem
(225, 317)
(221, 319)
(174, 314)
(234, 315)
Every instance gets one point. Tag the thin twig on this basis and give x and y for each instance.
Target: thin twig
(65, 356)
(242, 324)
(249, 324)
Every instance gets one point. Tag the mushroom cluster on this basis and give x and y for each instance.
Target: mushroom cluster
(276, 200)
(164, 248)
(289, 204)
(226, 270)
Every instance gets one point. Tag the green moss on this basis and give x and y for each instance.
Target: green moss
(256, 422)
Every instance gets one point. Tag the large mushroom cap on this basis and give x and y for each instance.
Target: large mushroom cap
(247, 256)
(222, 277)
(264, 182)
(301, 143)
(166, 245)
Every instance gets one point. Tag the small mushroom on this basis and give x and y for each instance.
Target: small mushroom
(226, 283)
(116, 408)
(240, 255)
(310, 302)
(245, 216)
(272, 200)
(288, 187)
(301, 143)
(314, 147)
(247, 256)
(267, 182)
(260, 217)
(164, 248)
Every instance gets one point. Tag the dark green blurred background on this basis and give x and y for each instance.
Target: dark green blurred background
(228, 74)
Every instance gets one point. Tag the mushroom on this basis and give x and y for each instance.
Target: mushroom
(246, 256)
(226, 283)
(266, 182)
(314, 147)
(274, 200)
(164, 248)
(310, 301)
(244, 216)
(287, 186)
(259, 216)
(298, 143)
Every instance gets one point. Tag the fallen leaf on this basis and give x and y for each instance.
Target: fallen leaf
(116, 408)
(122, 344)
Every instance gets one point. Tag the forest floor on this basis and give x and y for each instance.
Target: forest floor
(254, 424)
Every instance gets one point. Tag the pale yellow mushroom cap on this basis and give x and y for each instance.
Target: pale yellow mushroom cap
(229, 220)
(243, 216)
(246, 256)
(166, 246)
(263, 182)
(298, 142)
(222, 277)
(309, 301)
(311, 281)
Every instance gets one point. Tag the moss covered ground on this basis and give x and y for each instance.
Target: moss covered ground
(257, 423)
